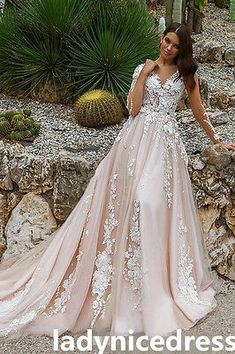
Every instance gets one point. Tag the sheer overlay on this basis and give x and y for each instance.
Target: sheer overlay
(131, 253)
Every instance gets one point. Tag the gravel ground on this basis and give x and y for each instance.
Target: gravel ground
(58, 132)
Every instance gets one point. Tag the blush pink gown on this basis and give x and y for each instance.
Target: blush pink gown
(130, 255)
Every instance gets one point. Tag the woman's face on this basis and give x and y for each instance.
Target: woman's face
(169, 45)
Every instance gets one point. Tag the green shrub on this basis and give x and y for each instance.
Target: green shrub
(105, 55)
(33, 43)
(72, 46)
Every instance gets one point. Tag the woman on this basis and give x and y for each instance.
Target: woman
(130, 255)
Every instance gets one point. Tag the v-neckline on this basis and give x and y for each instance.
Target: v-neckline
(168, 78)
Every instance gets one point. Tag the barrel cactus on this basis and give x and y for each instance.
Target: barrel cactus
(18, 125)
(16, 118)
(5, 127)
(98, 108)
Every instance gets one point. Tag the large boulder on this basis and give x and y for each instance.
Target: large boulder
(31, 222)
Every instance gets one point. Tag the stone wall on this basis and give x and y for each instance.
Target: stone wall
(37, 195)
(212, 173)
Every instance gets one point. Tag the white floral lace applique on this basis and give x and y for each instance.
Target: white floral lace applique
(8, 305)
(63, 296)
(131, 160)
(186, 281)
(132, 271)
(102, 276)
(28, 315)
(168, 173)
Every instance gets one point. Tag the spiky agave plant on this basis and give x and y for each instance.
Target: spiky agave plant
(98, 108)
(105, 55)
(33, 43)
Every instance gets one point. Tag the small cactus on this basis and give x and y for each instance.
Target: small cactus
(16, 118)
(9, 114)
(27, 122)
(27, 112)
(14, 135)
(18, 125)
(5, 127)
(98, 108)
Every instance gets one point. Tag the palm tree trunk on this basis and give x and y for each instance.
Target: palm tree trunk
(190, 14)
(169, 9)
(183, 11)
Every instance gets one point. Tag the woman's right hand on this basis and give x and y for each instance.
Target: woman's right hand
(148, 67)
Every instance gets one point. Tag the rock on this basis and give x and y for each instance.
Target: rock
(221, 248)
(208, 51)
(31, 221)
(13, 198)
(5, 179)
(3, 209)
(229, 56)
(230, 217)
(197, 163)
(222, 99)
(3, 246)
(231, 98)
(72, 175)
(214, 155)
(208, 216)
(218, 117)
(32, 173)
(204, 91)
(213, 186)
(3, 219)
(230, 273)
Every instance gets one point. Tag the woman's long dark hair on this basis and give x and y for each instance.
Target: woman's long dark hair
(185, 62)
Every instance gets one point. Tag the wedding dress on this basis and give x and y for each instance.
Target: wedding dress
(131, 254)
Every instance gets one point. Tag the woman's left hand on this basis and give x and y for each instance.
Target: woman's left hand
(229, 146)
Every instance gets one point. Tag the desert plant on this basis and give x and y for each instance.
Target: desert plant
(232, 10)
(5, 126)
(98, 108)
(16, 125)
(14, 4)
(177, 11)
(33, 43)
(169, 11)
(65, 46)
(199, 9)
(105, 55)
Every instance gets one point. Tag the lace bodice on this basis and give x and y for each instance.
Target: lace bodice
(160, 96)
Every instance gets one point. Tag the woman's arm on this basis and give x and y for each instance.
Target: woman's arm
(200, 113)
(136, 92)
